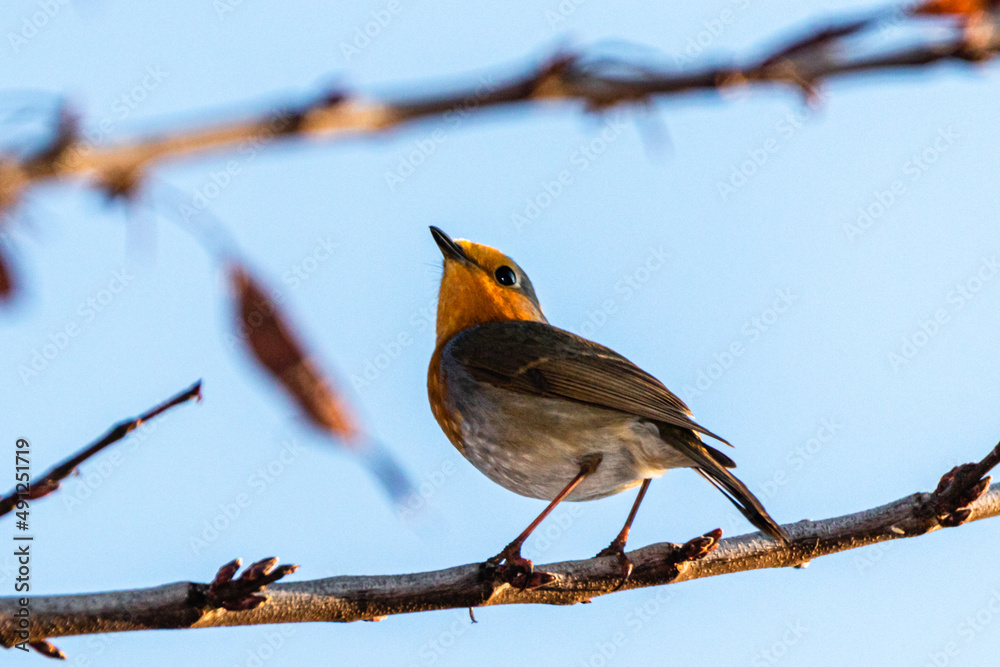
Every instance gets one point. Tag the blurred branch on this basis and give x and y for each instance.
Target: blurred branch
(267, 333)
(8, 285)
(49, 482)
(269, 336)
(802, 63)
(963, 495)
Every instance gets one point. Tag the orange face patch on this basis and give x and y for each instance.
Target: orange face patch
(472, 294)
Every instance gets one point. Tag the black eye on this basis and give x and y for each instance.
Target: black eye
(506, 276)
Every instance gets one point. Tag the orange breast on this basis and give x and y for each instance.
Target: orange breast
(449, 421)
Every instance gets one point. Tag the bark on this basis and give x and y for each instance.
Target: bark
(353, 598)
(802, 63)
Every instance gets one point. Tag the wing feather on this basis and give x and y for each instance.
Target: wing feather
(537, 358)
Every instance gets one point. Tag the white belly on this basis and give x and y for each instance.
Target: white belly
(534, 446)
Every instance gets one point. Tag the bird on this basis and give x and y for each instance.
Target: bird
(551, 415)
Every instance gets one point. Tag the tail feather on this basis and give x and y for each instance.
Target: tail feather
(712, 464)
(740, 496)
(719, 457)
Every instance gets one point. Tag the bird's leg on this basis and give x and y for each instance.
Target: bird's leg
(617, 546)
(509, 561)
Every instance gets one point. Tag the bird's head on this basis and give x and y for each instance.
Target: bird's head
(480, 284)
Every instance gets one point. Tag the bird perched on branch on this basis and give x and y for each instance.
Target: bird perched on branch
(550, 415)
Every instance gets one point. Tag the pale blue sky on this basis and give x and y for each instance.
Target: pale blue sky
(734, 256)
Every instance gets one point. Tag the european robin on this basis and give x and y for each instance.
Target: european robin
(550, 415)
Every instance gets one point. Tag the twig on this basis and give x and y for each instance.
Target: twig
(49, 482)
(801, 63)
(47, 649)
(224, 593)
(960, 487)
(354, 598)
(241, 594)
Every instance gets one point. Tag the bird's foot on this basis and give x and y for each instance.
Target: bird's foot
(700, 547)
(617, 549)
(516, 570)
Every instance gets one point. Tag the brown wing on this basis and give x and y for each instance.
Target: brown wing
(537, 358)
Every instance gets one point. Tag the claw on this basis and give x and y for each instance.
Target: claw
(618, 551)
(516, 570)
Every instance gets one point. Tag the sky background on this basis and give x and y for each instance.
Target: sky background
(822, 368)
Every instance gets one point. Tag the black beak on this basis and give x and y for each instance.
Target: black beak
(449, 248)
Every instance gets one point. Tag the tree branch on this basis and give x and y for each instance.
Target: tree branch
(49, 482)
(801, 63)
(353, 598)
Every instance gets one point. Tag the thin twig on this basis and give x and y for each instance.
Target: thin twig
(49, 482)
